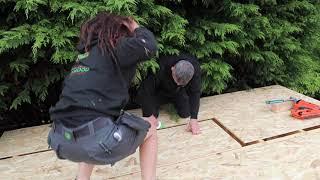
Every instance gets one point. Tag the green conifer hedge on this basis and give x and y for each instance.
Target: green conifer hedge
(240, 43)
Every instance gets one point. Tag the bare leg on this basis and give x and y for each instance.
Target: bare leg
(84, 171)
(148, 152)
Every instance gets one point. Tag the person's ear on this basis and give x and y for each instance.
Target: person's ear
(173, 71)
(173, 74)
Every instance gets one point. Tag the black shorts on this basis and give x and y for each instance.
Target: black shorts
(98, 142)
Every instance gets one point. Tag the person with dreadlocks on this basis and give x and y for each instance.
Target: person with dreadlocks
(93, 95)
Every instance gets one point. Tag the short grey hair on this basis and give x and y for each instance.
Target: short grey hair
(184, 71)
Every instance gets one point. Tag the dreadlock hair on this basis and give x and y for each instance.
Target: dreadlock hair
(107, 28)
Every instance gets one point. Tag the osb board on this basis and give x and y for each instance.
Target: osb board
(28, 140)
(175, 145)
(246, 115)
(297, 158)
(24, 140)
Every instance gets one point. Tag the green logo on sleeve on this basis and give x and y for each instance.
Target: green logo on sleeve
(79, 69)
(83, 56)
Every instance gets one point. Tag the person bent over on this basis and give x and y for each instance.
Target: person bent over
(179, 82)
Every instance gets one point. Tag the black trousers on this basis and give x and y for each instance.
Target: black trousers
(150, 103)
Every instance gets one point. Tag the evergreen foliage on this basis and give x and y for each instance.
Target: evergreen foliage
(240, 44)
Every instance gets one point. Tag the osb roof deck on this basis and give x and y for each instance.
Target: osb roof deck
(241, 139)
